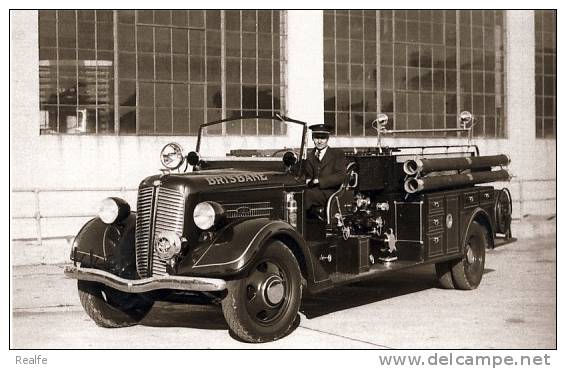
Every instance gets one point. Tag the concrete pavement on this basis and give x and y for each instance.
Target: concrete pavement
(514, 307)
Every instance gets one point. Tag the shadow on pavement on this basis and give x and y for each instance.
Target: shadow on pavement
(166, 314)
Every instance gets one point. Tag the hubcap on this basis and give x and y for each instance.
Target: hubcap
(274, 290)
(266, 292)
(470, 255)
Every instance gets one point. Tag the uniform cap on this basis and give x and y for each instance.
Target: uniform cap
(320, 129)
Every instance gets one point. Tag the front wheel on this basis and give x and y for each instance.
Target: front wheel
(110, 308)
(467, 272)
(263, 305)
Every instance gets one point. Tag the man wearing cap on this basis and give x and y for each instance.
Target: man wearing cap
(325, 168)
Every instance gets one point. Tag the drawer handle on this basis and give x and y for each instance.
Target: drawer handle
(436, 204)
(436, 239)
(486, 195)
(327, 258)
(470, 198)
(436, 222)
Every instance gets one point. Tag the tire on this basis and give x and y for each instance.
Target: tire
(263, 305)
(467, 272)
(444, 274)
(110, 308)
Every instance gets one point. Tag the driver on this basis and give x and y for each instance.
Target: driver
(325, 169)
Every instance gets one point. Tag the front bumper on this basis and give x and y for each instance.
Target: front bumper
(145, 284)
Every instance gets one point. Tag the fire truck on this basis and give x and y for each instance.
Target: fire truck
(225, 224)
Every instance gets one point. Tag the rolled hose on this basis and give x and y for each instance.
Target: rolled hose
(421, 165)
(414, 185)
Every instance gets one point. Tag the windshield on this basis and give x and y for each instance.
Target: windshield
(257, 138)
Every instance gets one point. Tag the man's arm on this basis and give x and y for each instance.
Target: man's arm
(338, 171)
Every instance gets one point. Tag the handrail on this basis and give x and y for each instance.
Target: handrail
(520, 200)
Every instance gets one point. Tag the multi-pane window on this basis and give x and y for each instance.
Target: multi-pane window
(545, 73)
(481, 67)
(76, 52)
(424, 67)
(158, 72)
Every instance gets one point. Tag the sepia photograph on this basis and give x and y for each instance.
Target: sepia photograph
(284, 179)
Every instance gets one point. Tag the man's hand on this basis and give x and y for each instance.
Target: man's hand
(312, 182)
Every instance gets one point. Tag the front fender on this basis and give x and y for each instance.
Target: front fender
(237, 246)
(110, 247)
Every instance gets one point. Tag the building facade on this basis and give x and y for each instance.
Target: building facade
(96, 94)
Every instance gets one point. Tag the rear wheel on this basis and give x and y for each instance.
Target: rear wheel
(444, 274)
(263, 305)
(467, 272)
(111, 308)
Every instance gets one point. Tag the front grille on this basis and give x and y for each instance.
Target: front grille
(168, 207)
(247, 209)
(143, 225)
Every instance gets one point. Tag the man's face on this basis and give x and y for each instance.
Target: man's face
(320, 141)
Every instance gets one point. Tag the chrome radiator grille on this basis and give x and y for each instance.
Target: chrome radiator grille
(168, 207)
(143, 225)
(247, 209)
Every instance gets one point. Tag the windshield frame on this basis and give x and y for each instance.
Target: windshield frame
(278, 117)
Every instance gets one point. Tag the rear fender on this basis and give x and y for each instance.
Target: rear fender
(480, 216)
(239, 244)
(110, 247)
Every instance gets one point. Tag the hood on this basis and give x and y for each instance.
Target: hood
(223, 179)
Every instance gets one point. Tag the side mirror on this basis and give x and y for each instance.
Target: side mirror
(466, 118)
(290, 159)
(193, 158)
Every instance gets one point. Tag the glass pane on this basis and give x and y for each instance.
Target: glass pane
(249, 97)
(232, 44)
(213, 43)
(162, 16)
(248, 71)
(233, 70)
(146, 94)
(196, 18)
(196, 96)
(126, 38)
(47, 31)
(197, 69)
(145, 39)
(264, 72)
(127, 120)
(196, 119)
(127, 93)
(179, 17)
(196, 41)
(180, 68)
(232, 20)
(233, 96)
(214, 96)
(146, 116)
(145, 66)
(180, 121)
(163, 120)
(163, 40)
(180, 96)
(105, 36)
(249, 20)
(180, 41)
(213, 69)
(86, 35)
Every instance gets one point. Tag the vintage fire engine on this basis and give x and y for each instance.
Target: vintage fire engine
(234, 231)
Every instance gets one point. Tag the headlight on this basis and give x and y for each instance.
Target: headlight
(172, 156)
(206, 214)
(113, 209)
